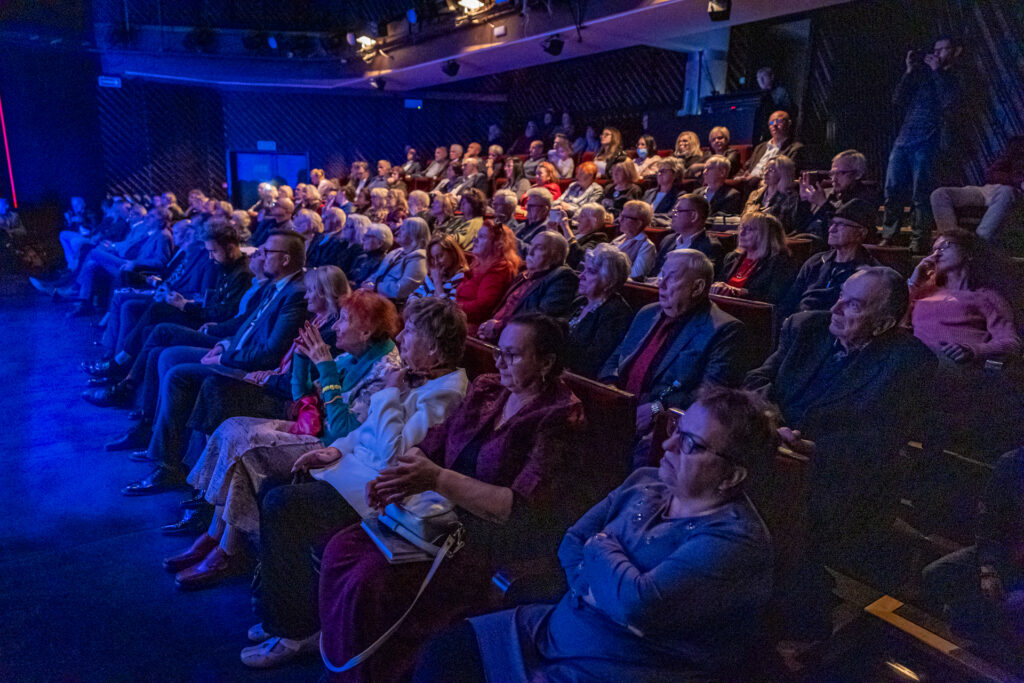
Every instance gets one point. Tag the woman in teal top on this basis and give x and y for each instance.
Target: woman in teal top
(244, 452)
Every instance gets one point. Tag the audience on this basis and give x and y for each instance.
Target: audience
(547, 179)
(495, 265)
(818, 283)
(534, 159)
(583, 190)
(688, 153)
(504, 204)
(590, 222)
(684, 533)
(472, 206)
(547, 286)
(501, 458)
(849, 169)
(563, 159)
(610, 152)
(515, 177)
(538, 203)
(675, 345)
(635, 218)
(411, 167)
(718, 141)
(443, 207)
(723, 200)
(647, 156)
(761, 268)
(436, 168)
(782, 141)
(600, 316)
(668, 176)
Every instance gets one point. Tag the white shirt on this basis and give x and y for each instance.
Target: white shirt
(646, 253)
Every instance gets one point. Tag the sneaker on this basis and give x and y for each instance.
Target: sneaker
(277, 651)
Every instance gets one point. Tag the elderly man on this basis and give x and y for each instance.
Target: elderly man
(847, 175)
(636, 217)
(538, 212)
(688, 219)
(536, 156)
(455, 153)
(504, 205)
(472, 178)
(817, 284)
(722, 199)
(435, 170)
(588, 234)
(257, 342)
(782, 141)
(850, 384)
(676, 345)
(548, 286)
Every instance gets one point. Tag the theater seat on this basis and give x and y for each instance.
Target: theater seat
(587, 156)
(728, 240)
(801, 248)
(897, 258)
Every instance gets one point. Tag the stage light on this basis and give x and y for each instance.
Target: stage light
(471, 5)
(366, 42)
(718, 10)
(553, 45)
(411, 16)
(450, 68)
(378, 83)
(272, 42)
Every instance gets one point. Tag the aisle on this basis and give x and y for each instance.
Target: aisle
(83, 595)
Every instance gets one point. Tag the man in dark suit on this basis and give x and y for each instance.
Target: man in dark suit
(548, 286)
(850, 384)
(411, 167)
(538, 213)
(723, 200)
(472, 178)
(677, 344)
(847, 174)
(256, 343)
(817, 284)
(688, 220)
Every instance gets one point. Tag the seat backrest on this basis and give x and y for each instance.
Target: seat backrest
(478, 358)
(800, 248)
(587, 156)
(897, 258)
(745, 152)
(638, 296)
(759, 320)
(728, 240)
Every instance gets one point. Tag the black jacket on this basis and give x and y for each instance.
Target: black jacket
(817, 285)
(727, 200)
(552, 295)
(769, 281)
(232, 281)
(792, 149)
(704, 243)
(594, 337)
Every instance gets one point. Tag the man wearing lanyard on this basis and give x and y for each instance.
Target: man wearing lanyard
(255, 343)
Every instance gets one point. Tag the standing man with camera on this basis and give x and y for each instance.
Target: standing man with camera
(928, 93)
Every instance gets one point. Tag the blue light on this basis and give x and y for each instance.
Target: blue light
(272, 42)
(414, 104)
(411, 16)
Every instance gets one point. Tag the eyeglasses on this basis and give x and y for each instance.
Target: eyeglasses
(535, 206)
(506, 357)
(690, 443)
(777, 122)
(676, 212)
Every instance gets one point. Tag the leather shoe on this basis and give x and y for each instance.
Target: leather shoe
(214, 568)
(196, 501)
(136, 437)
(159, 481)
(199, 549)
(193, 521)
(141, 456)
(120, 395)
(95, 382)
(100, 368)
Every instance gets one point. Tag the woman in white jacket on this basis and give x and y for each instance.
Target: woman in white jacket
(414, 399)
(405, 268)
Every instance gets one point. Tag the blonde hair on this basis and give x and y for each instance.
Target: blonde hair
(629, 168)
(769, 230)
(314, 220)
(334, 220)
(692, 137)
(330, 283)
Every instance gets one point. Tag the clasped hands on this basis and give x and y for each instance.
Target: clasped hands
(414, 473)
(311, 345)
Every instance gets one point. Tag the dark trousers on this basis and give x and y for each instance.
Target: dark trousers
(295, 521)
(126, 305)
(452, 657)
(145, 372)
(157, 312)
(910, 175)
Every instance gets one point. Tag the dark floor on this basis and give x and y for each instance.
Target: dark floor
(83, 595)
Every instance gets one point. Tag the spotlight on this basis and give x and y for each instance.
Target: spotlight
(718, 10)
(553, 45)
(378, 83)
(450, 68)
(411, 16)
(471, 6)
(365, 42)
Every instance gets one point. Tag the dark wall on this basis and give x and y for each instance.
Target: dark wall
(49, 100)
(857, 55)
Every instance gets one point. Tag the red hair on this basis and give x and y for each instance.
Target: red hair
(503, 245)
(371, 310)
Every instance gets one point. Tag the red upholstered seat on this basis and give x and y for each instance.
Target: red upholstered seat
(587, 156)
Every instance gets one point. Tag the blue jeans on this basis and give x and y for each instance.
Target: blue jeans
(910, 175)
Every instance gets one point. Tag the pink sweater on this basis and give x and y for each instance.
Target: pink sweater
(980, 319)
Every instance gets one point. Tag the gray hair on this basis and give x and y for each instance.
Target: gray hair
(857, 160)
(696, 261)
(474, 161)
(542, 193)
(441, 321)
(420, 230)
(645, 209)
(314, 219)
(508, 195)
(560, 245)
(594, 209)
(612, 264)
(334, 220)
(359, 224)
(420, 197)
(895, 300)
(718, 161)
(381, 232)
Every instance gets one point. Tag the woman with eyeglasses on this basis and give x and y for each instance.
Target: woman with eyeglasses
(761, 268)
(667, 576)
(502, 458)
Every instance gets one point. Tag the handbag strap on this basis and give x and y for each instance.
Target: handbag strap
(449, 542)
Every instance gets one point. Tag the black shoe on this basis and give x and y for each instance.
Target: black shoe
(191, 523)
(195, 502)
(160, 480)
(135, 438)
(137, 415)
(102, 368)
(141, 456)
(101, 382)
(120, 395)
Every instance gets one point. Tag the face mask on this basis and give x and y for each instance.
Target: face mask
(642, 153)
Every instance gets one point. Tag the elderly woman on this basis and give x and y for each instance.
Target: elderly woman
(516, 179)
(647, 156)
(719, 140)
(583, 191)
(403, 269)
(633, 242)
(446, 268)
(761, 268)
(377, 241)
(309, 224)
(443, 209)
(473, 205)
(667, 575)
(953, 311)
(398, 208)
(779, 195)
(600, 315)
(378, 211)
(495, 264)
(610, 152)
(547, 177)
(622, 188)
(588, 234)
(419, 206)
(298, 517)
(501, 458)
(244, 452)
(689, 154)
